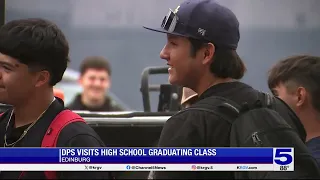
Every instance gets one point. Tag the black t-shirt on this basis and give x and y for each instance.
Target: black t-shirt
(77, 134)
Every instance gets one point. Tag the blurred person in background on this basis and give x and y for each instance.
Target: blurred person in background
(296, 80)
(188, 97)
(95, 79)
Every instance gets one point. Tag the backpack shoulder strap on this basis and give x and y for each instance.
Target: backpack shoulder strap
(50, 139)
(64, 118)
(220, 106)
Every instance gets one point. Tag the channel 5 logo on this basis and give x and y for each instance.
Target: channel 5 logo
(283, 156)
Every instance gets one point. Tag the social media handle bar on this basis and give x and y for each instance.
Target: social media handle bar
(283, 159)
(145, 167)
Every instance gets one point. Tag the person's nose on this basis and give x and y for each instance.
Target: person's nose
(97, 82)
(164, 54)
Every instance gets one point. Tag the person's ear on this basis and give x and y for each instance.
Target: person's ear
(80, 80)
(42, 77)
(108, 82)
(301, 96)
(208, 53)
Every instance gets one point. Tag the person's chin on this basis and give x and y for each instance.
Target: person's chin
(97, 97)
(4, 101)
(4, 97)
(172, 80)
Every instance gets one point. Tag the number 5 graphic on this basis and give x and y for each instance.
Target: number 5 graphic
(283, 153)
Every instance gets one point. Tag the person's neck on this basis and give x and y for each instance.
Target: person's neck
(92, 103)
(208, 81)
(311, 123)
(32, 108)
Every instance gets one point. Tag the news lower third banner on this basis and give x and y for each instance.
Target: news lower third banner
(147, 159)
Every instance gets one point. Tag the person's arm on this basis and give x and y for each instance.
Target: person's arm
(194, 129)
(84, 140)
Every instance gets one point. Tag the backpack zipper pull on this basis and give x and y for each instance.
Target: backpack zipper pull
(256, 139)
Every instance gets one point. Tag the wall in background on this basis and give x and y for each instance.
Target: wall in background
(270, 30)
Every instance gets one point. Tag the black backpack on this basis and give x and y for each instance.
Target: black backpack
(259, 125)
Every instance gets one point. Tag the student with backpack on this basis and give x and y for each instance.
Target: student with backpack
(34, 54)
(202, 38)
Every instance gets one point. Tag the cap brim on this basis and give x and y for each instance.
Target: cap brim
(161, 30)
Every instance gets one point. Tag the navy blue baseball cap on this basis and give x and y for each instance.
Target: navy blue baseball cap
(203, 20)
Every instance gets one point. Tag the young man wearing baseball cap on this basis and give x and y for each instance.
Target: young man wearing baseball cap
(202, 38)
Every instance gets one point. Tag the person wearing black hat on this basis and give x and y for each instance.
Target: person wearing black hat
(202, 39)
